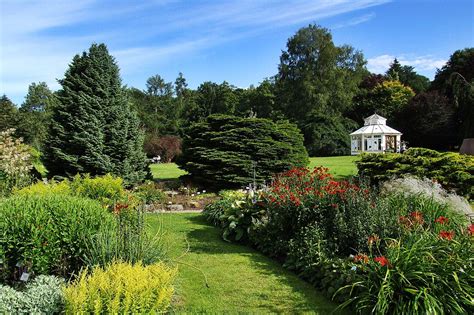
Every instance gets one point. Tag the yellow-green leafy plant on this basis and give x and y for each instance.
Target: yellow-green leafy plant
(107, 189)
(121, 288)
(42, 188)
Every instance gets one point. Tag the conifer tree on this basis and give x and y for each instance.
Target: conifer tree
(93, 130)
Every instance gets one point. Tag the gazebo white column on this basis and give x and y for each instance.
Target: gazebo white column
(363, 145)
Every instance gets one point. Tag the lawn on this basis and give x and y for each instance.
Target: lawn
(240, 279)
(339, 166)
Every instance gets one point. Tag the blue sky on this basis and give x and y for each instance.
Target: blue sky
(239, 41)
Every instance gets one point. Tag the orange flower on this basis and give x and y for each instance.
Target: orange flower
(361, 258)
(417, 217)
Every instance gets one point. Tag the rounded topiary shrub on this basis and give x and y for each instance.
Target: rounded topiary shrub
(48, 234)
(221, 150)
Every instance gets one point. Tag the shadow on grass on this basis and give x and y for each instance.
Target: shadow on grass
(206, 239)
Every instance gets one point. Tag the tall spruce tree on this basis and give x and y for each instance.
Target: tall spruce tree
(93, 130)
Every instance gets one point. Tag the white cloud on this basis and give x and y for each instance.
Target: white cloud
(427, 63)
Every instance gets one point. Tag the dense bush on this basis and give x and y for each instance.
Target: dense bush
(167, 147)
(451, 170)
(220, 150)
(121, 288)
(149, 193)
(342, 213)
(48, 234)
(43, 295)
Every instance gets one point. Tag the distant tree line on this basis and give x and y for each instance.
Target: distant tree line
(323, 88)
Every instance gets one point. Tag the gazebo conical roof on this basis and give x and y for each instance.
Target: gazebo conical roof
(375, 124)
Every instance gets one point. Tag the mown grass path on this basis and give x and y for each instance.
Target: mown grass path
(240, 279)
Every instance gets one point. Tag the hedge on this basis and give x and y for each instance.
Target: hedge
(453, 171)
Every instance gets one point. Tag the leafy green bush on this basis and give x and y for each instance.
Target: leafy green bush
(121, 288)
(451, 170)
(49, 234)
(41, 296)
(214, 211)
(107, 189)
(149, 193)
(220, 150)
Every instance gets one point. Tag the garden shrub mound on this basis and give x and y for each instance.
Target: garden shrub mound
(220, 150)
(121, 288)
(48, 234)
(452, 170)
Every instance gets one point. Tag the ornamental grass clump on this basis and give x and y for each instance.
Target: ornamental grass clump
(121, 288)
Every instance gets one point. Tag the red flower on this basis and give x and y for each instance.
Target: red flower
(382, 260)
(119, 207)
(470, 229)
(448, 235)
(442, 220)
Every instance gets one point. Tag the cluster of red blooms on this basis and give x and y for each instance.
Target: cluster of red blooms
(361, 258)
(470, 229)
(442, 220)
(297, 184)
(448, 235)
(119, 207)
(382, 260)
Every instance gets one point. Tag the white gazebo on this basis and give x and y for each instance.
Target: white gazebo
(375, 137)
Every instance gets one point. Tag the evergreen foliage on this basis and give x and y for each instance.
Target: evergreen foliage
(93, 129)
(8, 113)
(220, 150)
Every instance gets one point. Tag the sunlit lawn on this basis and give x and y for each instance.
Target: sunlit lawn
(240, 279)
(339, 166)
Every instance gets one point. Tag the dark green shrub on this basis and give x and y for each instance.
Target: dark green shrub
(451, 170)
(48, 234)
(220, 150)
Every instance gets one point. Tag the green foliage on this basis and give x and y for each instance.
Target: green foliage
(43, 295)
(424, 274)
(149, 193)
(107, 189)
(451, 170)
(15, 163)
(35, 114)
(128, 240)
(407, 76)
(8, 114)
(48, 234)
(214, 212)
(220, 150)
(428, 120)
(316, 77)
(121, 288)
(93, 129)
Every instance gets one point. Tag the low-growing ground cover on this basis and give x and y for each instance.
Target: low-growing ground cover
(166, 171)
(240, 279)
